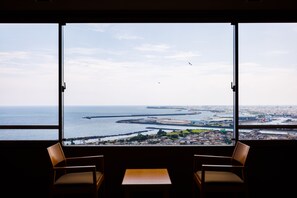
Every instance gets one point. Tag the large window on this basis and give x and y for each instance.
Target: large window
(148, 83)
(144, 84)
(268, 75)
(28, 81)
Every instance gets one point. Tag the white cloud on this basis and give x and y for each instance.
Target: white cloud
(153, 47)
(277, 52)
(13, 55)
(17, 63)
(87, 51)
(183, 55)
(101, 27)
(127, 37)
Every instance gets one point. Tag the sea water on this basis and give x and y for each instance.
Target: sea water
(76, 125)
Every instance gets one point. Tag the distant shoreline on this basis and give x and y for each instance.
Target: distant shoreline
(138, 132)
(141, 115)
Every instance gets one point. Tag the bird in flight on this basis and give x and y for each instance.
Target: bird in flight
(189, 63)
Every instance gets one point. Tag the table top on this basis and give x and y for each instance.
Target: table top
(146, 177)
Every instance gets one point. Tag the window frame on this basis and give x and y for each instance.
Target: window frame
(238, 126)
(62, 86)
(38, 126)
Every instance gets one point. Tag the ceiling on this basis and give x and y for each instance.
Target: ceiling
(148, 11)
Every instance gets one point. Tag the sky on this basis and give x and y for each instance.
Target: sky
(148, 64)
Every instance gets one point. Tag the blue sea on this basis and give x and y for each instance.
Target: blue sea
(76, 125)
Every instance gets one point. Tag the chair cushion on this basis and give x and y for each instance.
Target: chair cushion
(78, 178)
(219, 176)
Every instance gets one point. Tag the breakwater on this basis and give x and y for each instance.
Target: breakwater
(141, 115)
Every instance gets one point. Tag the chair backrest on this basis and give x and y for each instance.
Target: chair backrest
(240, 152)
(56, 154)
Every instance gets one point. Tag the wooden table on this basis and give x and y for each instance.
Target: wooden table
(146, 180)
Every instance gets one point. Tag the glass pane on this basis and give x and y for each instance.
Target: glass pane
(267, 91)
(29, 134)
(268, 134)
(28, 76)
(165, 84)
(28, 115)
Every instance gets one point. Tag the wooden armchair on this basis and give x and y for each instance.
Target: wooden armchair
(222, 173)
(74, 175)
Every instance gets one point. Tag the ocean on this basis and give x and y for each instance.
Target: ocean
(77, 125)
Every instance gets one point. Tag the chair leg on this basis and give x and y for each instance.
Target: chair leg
(201, 193)
(102, 189)
(196, 192)
(193, 189)
(95, 193)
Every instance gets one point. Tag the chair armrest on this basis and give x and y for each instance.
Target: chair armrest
(220, 167)
(85, 157)
(212, 156)
(198, 160)
(77, 168)
(97, 160)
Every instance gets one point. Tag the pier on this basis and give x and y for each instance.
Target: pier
(141, 115)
